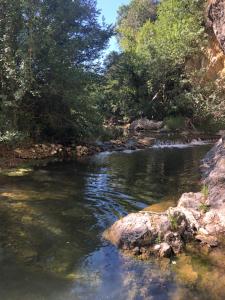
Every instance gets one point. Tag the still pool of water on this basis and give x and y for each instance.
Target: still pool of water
(52, 219)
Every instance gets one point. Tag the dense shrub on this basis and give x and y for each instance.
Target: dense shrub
(48, 52)
(175, 123)
(149, 78)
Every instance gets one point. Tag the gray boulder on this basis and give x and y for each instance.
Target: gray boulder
(145, 124)
(196, 216)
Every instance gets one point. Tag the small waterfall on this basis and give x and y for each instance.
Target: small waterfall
(179, 143)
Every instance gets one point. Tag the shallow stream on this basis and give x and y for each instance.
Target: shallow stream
(52, 219)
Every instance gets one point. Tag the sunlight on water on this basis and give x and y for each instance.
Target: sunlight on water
(17, 172)
(52, 219)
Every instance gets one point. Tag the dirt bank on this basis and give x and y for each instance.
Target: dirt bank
(11, 157)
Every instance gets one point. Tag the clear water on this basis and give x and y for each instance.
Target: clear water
(52, 219)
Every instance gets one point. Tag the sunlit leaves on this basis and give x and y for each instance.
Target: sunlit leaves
(47, 51)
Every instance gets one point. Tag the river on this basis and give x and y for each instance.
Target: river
(52, 218)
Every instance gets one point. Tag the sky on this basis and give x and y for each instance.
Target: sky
(109, 11)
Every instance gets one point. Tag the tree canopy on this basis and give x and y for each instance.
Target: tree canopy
(52, 82)
(48, 52)
(149, 76)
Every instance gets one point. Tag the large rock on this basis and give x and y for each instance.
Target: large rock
(197, 216)
(145, 124)
(146, 230)
(216, 19)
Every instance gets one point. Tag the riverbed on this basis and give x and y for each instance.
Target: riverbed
(52, 219)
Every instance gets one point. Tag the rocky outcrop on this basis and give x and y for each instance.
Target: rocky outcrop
(39, 151)
(212, 58)
(216, 19)
(147, 233)
(145, 124)
(198, 216)
(144, 140)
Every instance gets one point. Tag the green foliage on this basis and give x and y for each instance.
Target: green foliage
(175, 123)
(131, 18)
(149, 78)
(209, 124)
(173, 222)
(170, 30)
(204, 208)
(176, 33)
(205, 191)
(208, 101)
(51, 86)
(159, 239)
(13, 138)
(48, 51)
(124, 88)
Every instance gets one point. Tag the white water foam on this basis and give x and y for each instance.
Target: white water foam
(159, 145)
(193, 143)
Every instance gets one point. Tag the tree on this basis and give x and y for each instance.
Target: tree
(176, 34)
(124, 80)
(149, 77)
(48, 51)
(131, 18)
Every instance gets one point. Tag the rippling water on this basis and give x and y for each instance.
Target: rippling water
(52, 219)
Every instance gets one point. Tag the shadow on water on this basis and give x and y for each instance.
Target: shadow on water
(52, 218)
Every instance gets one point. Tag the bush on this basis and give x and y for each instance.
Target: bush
(175, 123)
(210, 125)
(13, 137)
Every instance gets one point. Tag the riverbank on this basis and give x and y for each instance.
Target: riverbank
(12, 157)
(197, 217)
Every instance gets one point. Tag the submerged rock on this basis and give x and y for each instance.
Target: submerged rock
(164, 234)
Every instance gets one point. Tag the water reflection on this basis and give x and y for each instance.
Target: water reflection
(113, 276)
(51, 220)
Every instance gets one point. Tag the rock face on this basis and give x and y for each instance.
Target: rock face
(212, 59)
(145, 124)
(216, 19)
(199, 216)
